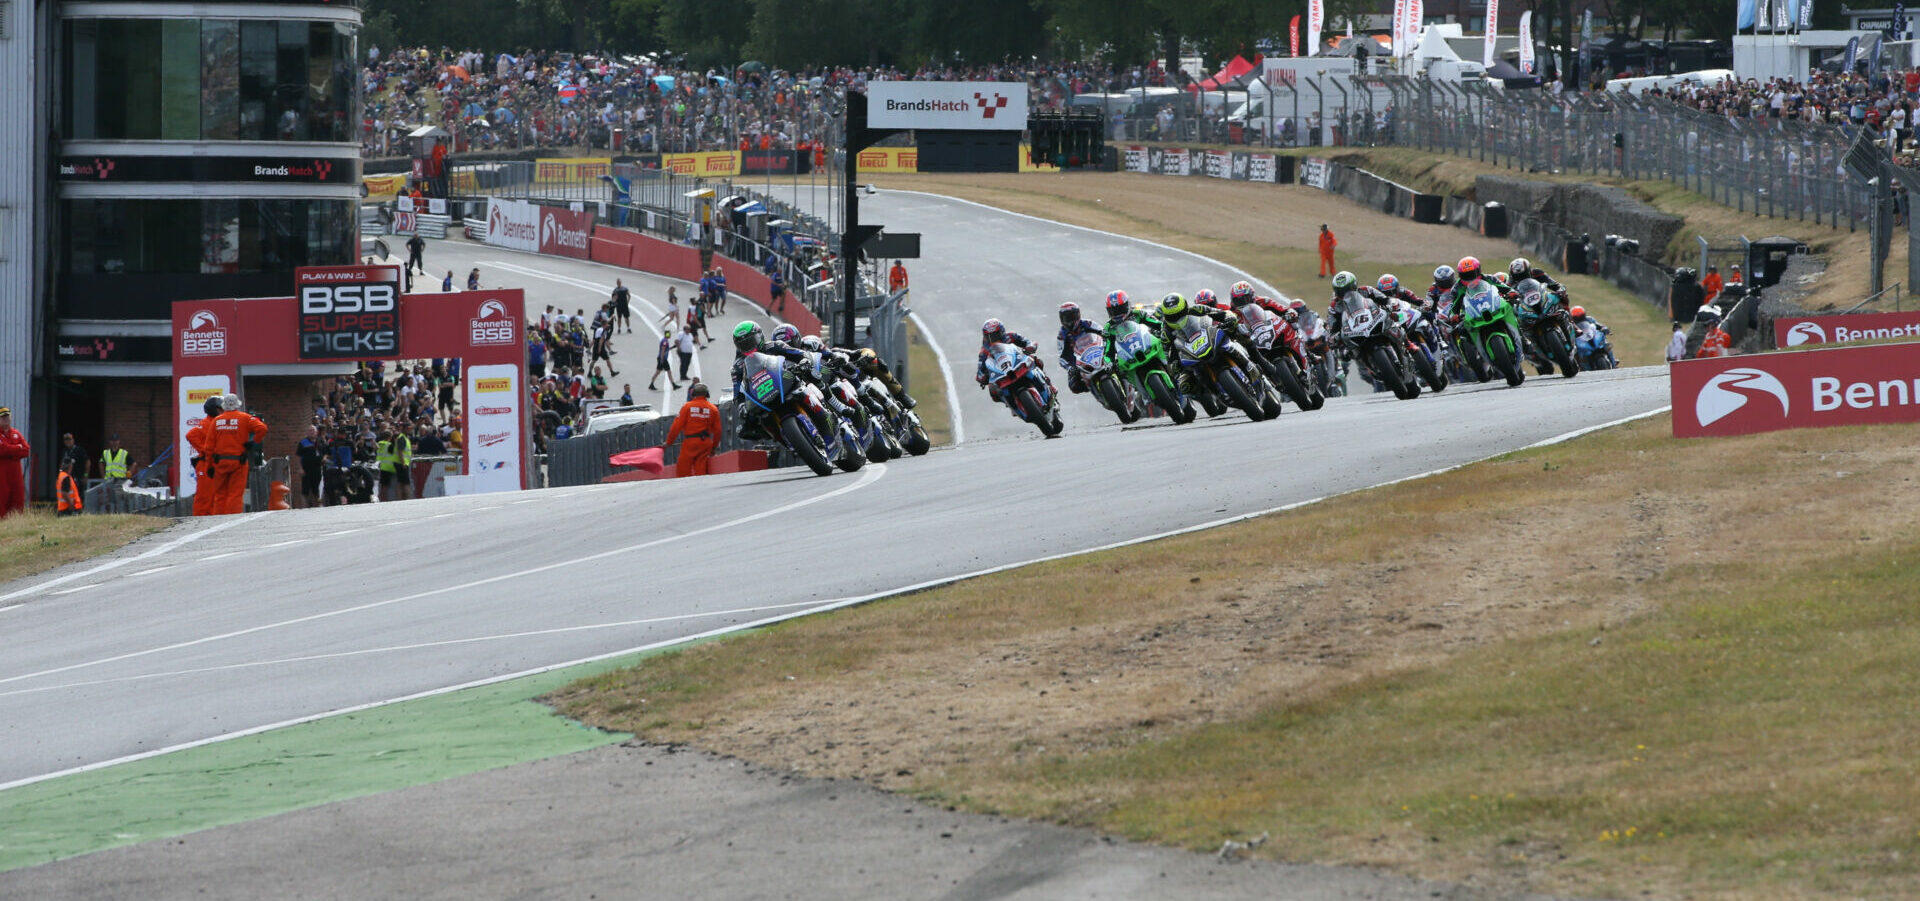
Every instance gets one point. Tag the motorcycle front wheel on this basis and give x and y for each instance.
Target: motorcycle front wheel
(804, 446)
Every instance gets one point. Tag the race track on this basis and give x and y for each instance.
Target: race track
(220, 627)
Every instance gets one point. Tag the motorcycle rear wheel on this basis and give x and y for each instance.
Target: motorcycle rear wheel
(802, 443)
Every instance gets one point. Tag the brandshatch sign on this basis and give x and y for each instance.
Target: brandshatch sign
(348, 312)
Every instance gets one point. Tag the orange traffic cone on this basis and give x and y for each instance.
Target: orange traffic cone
(277, 493)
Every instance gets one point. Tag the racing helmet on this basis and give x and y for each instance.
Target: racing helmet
(1388, 283)
(1501, 277)
(1344, 281)
(1069, 313)
(813, 344)
(1173, 306)
(747, 337)
(1117, 305)
(785, 334)
(1520, 268)
(1206, 298)
(1241, 292)
(1468, 269)
(992, 330)
(865, 357)
(1443, 277)
(1578, 312)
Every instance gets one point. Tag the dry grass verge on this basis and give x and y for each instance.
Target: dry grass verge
(1626, 664)
(928, 384)
(1271, 231)
(37, 541)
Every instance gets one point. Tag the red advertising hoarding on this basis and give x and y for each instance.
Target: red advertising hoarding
(1724, 396)
(565, 233)
(1796, 331)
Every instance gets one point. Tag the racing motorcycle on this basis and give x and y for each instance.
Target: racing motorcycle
(1142, 361)
(1596, 349)
(1422, 348)
(1367, 332)
(1089, 355)
(1328, 370)
(1219, 365)
(1545, 321)
(848, 402)
(901, 424)
(1278, 353)
(803, 423)
(1489, 323)
(1021, 388)
(1466, 360)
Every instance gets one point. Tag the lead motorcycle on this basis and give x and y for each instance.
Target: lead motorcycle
(1030, 397)
(1279, 353)
(803, 423)
(1089, 355)
(1369, 334)
(1489, 322)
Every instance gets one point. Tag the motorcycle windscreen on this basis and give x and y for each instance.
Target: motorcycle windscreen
(1132, 341)
(761, 380)
(1194, 337)
(1089, 350)
(1259, 324)
(1481, 303)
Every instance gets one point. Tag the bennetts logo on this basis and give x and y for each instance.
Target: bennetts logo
(1716, 401)
(1806, 333)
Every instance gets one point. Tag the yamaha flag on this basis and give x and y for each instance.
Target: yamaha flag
(1316, 17)
(1493, 29)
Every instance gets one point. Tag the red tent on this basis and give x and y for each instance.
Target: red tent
(1238, 67)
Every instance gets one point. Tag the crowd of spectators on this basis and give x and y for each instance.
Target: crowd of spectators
(414, 404)
(559, 100)
(1885, 104)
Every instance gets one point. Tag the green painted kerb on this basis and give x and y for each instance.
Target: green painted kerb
(384, 749)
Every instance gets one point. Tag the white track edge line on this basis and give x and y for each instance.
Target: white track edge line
(959, 432)
(823, 608)
(122, 561)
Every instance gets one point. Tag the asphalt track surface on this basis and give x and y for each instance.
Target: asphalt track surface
(241, 623)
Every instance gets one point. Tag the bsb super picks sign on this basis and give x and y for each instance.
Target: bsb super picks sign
(348, 312)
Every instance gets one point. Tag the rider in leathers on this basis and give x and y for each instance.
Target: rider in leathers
(1072, 325)
(993, 332)
(747, 339)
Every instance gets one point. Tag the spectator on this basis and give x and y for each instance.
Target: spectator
(626, 395)
(312, 455)
(446, 284)
(777, 292)
(1677, 345)
(686, 348)
(473, 279)
(622, 307)
(661, 365)
(74, 460)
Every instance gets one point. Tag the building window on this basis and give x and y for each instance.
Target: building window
(223, 236)
(209, 79)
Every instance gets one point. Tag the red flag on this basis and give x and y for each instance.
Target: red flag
(651, 459)
(1293, 33)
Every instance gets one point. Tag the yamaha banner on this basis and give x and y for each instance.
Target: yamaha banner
(1493, 32)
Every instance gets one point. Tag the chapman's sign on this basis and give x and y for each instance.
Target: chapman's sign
(1866, 385)
(1795, 331)
(948, 105)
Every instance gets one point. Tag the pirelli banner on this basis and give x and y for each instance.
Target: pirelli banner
(889, 159)
(560, 171)
(714, 163)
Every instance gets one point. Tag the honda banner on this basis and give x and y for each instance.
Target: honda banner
(564, 232)
(948, 105)
(1724, 396)
(1794, 331)
(513, 224)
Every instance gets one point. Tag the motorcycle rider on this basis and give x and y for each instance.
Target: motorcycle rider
(749, 339)
(992, 332)
(1174, 308)
(1072, 325)
(1522, 268)
(1588, 330)
(1441, 290)
(1242, 294)
(1343, 282)
(1389, 287)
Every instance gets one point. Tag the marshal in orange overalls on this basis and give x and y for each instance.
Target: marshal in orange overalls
(699, 422)
(226, 452)
(1327, 243)
(203, 490)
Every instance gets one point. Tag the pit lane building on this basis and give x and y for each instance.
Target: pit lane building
(157, 151)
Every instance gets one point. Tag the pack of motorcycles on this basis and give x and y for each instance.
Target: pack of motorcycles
(1264, 362)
